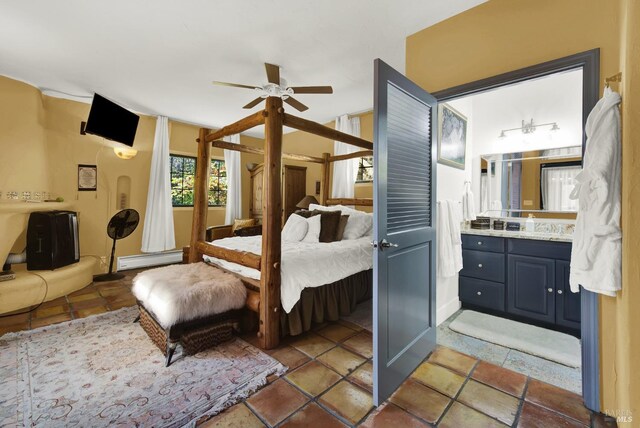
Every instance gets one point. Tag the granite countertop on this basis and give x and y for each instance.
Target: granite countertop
(540, 236)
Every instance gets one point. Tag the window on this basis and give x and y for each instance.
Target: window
(557, 181)
(365, 169)
(217, 184)
(183, 173)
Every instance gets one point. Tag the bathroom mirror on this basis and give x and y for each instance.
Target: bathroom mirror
(538, 181)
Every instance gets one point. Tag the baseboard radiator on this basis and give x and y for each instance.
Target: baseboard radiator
(147, 260)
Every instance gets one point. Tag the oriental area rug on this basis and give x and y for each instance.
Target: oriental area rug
(104, 370)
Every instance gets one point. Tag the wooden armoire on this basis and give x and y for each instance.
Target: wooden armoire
(294, 189)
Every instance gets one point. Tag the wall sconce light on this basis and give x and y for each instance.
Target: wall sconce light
(530, 128)
(125, 152)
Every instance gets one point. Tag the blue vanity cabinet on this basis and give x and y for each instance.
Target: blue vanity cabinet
(524, 279)
(567, 302)
(531, 287)
(482, 276)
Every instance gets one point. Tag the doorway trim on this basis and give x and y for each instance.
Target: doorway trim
(589, 62)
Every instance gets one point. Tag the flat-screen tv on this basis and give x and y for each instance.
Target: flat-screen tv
(107, 119)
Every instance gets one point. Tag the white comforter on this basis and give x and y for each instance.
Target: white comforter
(303, 264)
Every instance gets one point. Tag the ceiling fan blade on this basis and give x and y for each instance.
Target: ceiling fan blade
(273, 73)
(235, 85)
(254, 103)
(296, 104)
(312, 89)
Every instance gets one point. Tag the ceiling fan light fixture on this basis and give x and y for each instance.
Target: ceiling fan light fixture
(278, 87)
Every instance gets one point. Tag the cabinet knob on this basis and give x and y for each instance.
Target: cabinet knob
(479, 242)
(550, 290)
(559, 291)
(480, 265)
(479, 293)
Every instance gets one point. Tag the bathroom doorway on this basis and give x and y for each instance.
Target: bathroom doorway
(524, 134)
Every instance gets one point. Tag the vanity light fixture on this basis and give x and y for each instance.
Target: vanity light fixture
(529, 128)
(125, 152)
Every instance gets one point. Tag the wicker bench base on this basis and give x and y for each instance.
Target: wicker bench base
(194, 336)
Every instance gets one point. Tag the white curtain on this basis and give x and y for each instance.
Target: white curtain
(158, 233)
(345, 172)
(557, 184)
(234, 182)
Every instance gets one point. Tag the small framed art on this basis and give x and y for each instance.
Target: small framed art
(452, 136)
(87, 178)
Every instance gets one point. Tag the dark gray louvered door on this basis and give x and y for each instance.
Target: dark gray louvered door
(404, 234)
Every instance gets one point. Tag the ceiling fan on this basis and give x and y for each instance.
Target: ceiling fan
(277, 87)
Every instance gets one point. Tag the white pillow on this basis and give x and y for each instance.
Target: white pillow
(313, 232)
(357, 225)
(313, 207)
(295, 229)
(359, 222)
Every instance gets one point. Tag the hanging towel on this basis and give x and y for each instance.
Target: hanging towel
(468, 204)
(449, 243)
(596, 255)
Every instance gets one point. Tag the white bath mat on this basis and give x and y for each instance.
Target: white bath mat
(548, 344)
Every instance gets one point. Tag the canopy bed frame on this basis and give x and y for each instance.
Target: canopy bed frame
(264, 295)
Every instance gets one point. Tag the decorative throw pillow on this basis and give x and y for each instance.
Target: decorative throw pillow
(359, 222)
(329, 222)
(341, 226)
(306, 213)
(244, 222)
(313, 232)
(295, 229)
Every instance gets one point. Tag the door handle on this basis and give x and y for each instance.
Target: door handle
(385, 244)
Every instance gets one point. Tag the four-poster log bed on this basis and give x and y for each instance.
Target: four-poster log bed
(263, 296)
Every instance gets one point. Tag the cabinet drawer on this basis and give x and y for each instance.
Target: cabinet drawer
(483, 243)
(548, 249)
(482, 293)
(483, 265)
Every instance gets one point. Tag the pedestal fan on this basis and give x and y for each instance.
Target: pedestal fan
(120, 226)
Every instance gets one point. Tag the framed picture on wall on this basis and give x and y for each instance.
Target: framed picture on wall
(87, 178)
(452, 136)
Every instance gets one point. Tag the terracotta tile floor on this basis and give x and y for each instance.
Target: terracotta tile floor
(96, 298)
(329, 382)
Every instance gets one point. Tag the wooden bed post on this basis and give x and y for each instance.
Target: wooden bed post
(270, 306)
(326, 177)
(200, 197)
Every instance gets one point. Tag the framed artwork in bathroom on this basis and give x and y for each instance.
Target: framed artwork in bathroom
(87, 178)
(452, 136)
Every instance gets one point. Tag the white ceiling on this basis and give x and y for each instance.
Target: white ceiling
(159, 57)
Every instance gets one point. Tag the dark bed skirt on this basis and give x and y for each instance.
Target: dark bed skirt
(327, 303)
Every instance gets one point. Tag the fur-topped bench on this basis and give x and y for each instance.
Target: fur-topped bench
(195, 305)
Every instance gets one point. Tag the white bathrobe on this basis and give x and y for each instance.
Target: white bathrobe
(449, 243)
(596, 261)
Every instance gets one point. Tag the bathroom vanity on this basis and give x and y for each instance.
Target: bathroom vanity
(524, 276)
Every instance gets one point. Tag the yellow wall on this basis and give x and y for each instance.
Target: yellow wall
(505, 35)
(309, 144)
(23, 158)
(41, 147)
(620, 316)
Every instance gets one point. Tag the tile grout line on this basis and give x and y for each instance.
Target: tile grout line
(521, 403)
(454, 399)
(248, 406)
(314, 399)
